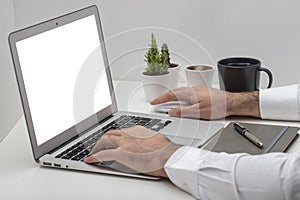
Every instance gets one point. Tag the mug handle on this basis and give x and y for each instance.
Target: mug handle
(269, 74)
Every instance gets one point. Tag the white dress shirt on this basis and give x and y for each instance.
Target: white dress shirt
(274, 176)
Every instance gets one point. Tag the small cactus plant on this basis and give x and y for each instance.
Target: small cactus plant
(157, 63)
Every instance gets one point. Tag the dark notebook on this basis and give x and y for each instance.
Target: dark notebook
(274, 138)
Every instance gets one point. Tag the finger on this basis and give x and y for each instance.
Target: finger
(179, 94)
(102, 156)
(169, 96)
(114, 132)
(192, 111)
(105, 142)
(136, 132)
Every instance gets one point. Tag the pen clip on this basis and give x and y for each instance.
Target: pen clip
(239, 127)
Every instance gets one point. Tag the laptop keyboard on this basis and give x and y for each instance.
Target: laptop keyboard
(82, 149)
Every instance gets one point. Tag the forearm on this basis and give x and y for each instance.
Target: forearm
(243, 104)
(282, 103)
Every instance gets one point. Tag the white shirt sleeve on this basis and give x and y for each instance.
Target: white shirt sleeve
(213, 176)
(282, 103)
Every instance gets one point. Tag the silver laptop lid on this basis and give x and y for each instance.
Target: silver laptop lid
(63, 77)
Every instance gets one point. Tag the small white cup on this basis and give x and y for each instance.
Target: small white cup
(199, 75)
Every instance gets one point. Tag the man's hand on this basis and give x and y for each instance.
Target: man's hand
(138, 148)
(209, 103)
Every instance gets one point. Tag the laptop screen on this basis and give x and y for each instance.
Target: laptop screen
(64, 76)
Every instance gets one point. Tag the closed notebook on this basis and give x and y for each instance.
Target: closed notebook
(274, 138)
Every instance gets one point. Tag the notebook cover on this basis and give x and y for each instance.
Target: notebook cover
(230, 141)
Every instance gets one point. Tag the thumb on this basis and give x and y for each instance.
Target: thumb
(101, 156)
(192, 111)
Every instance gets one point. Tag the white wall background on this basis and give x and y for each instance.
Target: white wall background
(10, 110)
(193, 29)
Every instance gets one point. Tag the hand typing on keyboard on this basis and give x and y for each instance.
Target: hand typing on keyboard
(138, 148)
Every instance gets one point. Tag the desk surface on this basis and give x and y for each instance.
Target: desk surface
(21, 178)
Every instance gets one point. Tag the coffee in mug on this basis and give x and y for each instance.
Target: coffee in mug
(199, 75)
(241, 74)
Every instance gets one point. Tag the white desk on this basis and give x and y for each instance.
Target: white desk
(21, 178)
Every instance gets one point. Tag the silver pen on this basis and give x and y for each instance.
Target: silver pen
(247, 134)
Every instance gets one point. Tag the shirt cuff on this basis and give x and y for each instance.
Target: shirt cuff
(181, 168)
(279, 103)
(204, 174)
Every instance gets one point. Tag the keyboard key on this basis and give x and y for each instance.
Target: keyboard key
(78, 157)
(76, 151)
(59, 155)
(111, 124)
(123, 121)
(128, 126)
(141, 123)
(154, 121)
(155, 129)
(89, 143)
(128, 117)
(145, 121)
(160, 125)
(79, 149)
(85, 152)
(67, 156)
(89, 148)
(135, 121)
(121, 117)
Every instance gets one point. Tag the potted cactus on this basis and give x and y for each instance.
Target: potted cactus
(156, 78)
(174, 69)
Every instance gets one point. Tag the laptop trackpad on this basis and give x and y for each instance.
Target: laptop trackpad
(117, 166)
(186, 141)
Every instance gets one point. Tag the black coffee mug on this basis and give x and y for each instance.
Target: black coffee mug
(241, 74)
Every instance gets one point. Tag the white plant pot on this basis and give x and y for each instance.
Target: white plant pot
(155, 86)
(175, 73)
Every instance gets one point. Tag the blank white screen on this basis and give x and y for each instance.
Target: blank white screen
(50, 64)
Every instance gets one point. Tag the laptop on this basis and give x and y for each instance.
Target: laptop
(68, 97)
